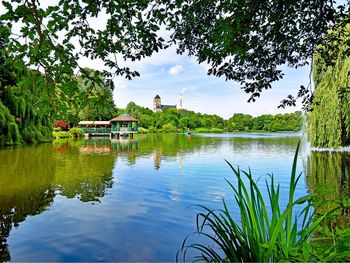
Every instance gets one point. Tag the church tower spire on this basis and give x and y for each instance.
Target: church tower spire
(157, 105)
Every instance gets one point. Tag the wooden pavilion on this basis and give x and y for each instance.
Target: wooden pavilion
(124, 125)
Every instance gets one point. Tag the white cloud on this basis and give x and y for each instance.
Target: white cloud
(176, 69)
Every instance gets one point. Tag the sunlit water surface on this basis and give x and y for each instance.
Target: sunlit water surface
(119, 200)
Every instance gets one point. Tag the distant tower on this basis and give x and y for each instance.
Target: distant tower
(157, 105)
(180, 107)
(181, 95)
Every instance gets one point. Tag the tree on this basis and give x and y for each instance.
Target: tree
(84, 97)
(240, 122)
(98, 97)
(261, 122)
(329, 119)
(132, 109)
(247, 41)
(169, 128)
(24, 106)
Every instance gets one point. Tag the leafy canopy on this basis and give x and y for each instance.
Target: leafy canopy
(244, 40)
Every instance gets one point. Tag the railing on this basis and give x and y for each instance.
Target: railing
(124, 129)
(97, 130)
(109, 130)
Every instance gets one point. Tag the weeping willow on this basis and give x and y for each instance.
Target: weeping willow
(329, 120)
(24, 112)
(24, 99)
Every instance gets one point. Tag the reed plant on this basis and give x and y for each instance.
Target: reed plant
(266, 232)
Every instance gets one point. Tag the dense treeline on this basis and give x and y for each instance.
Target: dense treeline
(173, 120)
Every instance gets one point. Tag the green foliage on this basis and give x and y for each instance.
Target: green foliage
(208, 130)
(24, 95)
(21, 117)
(87, 96)
(7, 70)
(267, 122)
(265, 232)
(329, 120)
(241, 122)
(62, 134)
(143, 130)
(173, 120)
(169, 128)
(245, 41)
(76, 132)
(326, 179)
(9, 133)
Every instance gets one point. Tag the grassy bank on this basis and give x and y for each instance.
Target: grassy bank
(209, 130)
(198, 130)
(171, 129)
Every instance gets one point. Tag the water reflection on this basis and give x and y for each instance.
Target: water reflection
(31, 177)
(139, 187)
(328, 175)
(157, 155)
(268, 145)
(83, 170)
(27, 176)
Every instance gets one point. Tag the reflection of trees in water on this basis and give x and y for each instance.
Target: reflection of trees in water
(31, 176)
(328, 175)
(84, 171)
(170, 144)
(157, 146)
(26, 176)
(161, 146)
(265, 144)
(15, 210)
(156, 158)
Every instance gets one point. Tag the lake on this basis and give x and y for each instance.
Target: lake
(136, 200)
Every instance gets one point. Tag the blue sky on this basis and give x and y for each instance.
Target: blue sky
(167, 74)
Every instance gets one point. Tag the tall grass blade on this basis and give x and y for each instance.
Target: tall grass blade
(261, 235)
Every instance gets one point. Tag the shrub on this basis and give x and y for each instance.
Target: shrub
(143, 130)
(169, 128)
(180, 130)
(152, 129)
(62, 134)
(63, 125)
(76, 132)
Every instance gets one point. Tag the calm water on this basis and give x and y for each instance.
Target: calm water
(103, 200)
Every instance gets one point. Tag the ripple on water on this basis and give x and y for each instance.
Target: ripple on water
(135, 202)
